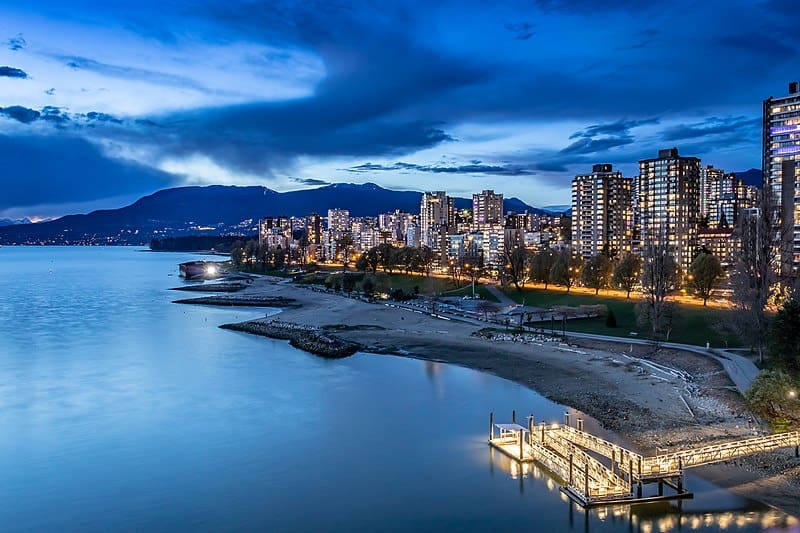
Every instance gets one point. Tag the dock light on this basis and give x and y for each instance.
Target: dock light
(211, 270)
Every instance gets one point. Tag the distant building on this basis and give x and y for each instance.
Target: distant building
(487, 209)
(436, 214)
(781, 158)
(602, 212)
(668, 203)
(722, 197)
(720, 242)
(338, 220)
(314, 228)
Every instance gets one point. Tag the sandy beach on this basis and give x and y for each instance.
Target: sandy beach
(678, 401)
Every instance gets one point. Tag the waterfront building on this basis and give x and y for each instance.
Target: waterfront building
(668, 203)
(602, 212)
(487, 209)
(780, 161)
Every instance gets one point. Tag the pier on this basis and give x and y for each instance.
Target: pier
(593, 471)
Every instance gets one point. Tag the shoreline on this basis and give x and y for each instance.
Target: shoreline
(612, 383)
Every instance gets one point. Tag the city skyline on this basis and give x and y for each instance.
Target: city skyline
(290, 96)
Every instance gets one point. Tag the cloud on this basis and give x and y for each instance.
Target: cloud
(472, 168)
(20, 113)
(601, 137)
(712, 126)
(310, 181)
(522, 30)
(11, 72)
(16, 43)
(43, 169)
(129, 73)
(619, 127)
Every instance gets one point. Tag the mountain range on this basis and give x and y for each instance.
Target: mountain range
(13, 221)
(218, 209)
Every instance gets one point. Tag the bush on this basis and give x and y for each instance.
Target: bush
(774, 397)
(611, 319)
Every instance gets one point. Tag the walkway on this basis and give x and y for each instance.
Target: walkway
(741, 370)
(502, 297)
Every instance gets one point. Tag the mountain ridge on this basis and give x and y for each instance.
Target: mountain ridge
(217, 209)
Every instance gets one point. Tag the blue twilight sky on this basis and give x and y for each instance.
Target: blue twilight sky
(103, 101)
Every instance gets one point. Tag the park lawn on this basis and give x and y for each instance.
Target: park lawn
(692, 325)
(480, 290)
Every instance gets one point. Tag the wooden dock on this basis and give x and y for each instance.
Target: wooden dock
(593, 471)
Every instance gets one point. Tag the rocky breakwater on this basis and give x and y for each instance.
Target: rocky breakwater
(242, 301)
(307, 338)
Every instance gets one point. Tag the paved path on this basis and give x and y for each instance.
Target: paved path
(502, 297)
(741, 370)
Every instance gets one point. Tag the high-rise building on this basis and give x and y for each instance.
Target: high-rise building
(602, 211)
(668, 204)
(436, 213)
(314, 228)
(338, 220)
(722, 196)
(487, 209)
(781, 159)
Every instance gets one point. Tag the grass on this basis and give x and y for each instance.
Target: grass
(692, 325)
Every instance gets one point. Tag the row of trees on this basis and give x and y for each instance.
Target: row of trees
(601, 271)
(407, 259)
(251, 256)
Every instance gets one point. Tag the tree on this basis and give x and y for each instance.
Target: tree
(784, 343)
(455, 267)
(541, 266)
(387, 255)
(343, 245)
(704, 274)
(367, 286)
(753, 276)
(626, 273)
(660, 277)
(473, 264)
(596, 273)
(348, 282)
(372, 259)
(425, 255)
(362, 264)
(516, 262)
(237, 254)
(566, 268)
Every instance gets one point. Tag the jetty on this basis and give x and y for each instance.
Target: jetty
(593, 471)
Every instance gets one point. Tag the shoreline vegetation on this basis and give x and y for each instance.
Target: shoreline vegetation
(651, 398)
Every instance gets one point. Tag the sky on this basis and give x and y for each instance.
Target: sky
(102, 102)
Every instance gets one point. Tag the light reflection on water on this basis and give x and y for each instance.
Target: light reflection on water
(120, 410)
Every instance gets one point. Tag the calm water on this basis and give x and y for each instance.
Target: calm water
(122, 411)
